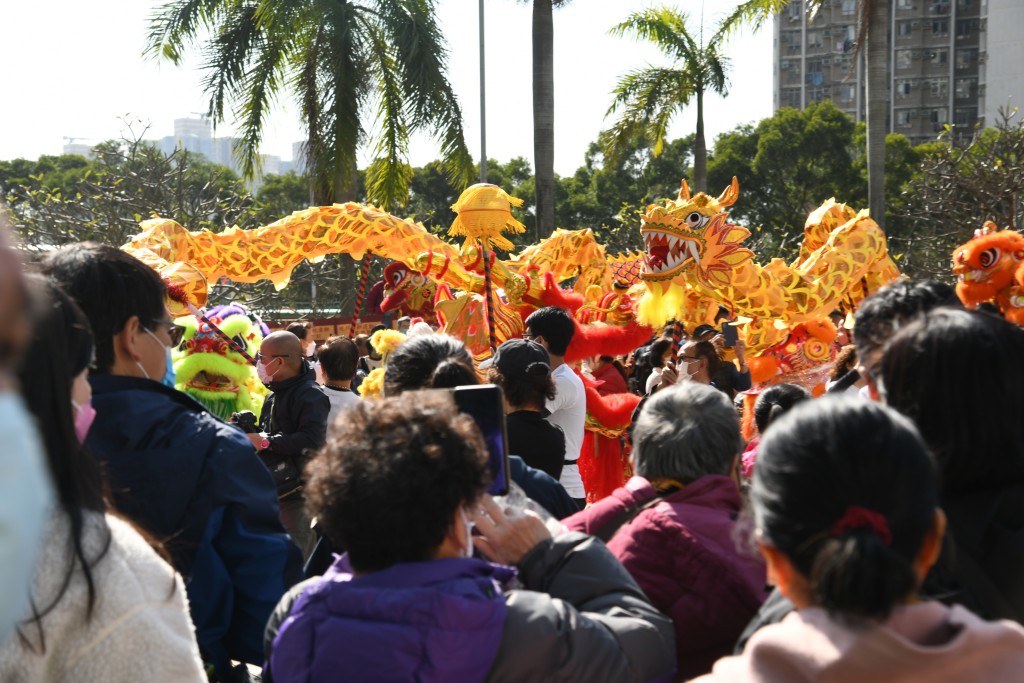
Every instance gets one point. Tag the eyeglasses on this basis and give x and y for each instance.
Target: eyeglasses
(175, 332)
(260, 356)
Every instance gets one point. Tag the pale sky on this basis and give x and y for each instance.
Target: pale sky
(72, 68)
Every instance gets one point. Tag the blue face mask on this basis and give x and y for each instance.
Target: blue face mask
(169, 376)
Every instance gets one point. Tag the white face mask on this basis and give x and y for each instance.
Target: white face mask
(468, 550)
(261, 372)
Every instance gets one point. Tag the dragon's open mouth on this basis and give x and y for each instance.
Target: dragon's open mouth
(207, 381)
(666, 252)
(969, 275)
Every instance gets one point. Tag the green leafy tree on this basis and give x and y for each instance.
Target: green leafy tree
(959, 188)
(791, 162)
(70, 199)
(648, 98)
(362, 71)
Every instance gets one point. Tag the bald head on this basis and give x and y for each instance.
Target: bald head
(282, 354)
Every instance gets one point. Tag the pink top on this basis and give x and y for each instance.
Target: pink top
(921, 643)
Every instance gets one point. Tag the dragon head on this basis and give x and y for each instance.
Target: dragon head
(985, 265)
(409, 290)
(693, 233)
(211, 371)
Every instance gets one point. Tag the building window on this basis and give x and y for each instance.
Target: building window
(966, 57)
(964, 4)
(938, 115)
(903, 58)
(904, 28)
(939, 56)
(966, 88)
(965, 116)
(814, 39)
(850, 6)
(847, 93)
(903, 118)
(939, 87)
(940, 27)
(904, 87)
(904, 4)
(966, 27)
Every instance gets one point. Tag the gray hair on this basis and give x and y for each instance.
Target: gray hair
(685, 432)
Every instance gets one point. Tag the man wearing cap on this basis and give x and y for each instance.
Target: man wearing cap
(553, 328)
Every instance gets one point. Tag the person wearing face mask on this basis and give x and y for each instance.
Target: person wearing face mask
(104, 604)
(25, 490)
(401, 484)
(174, 469)
(293, 424)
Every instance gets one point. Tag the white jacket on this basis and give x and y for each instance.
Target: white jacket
(139, 629)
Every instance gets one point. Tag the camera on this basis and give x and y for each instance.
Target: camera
(246, 421)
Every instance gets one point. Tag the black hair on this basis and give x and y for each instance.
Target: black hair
(429, 361)
(708, 352)
(957, 375)
(338, 358)
(110, 286)
(776, 400)
(892, 306)
(300, 329)
(818, 465)
(60, 349)
(658, 349)
(392, 475)
(531, 387)
(555, 325)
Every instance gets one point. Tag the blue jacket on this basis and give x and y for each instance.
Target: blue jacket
(196, 484)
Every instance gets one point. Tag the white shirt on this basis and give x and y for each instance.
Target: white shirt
(569, 411)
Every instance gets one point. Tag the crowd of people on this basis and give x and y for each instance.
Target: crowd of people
(874, 533)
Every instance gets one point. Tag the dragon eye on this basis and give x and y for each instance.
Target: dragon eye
(417, 280)
(239, 342)
(988, 258)
(696, 220)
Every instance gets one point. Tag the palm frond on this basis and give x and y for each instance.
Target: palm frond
(227, 57)
(176, 24)
(387, 183)
(664, 27)
(647, 99)
(256, 95)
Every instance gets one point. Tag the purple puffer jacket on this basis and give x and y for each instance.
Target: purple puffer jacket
(682, 553)
(441, 620)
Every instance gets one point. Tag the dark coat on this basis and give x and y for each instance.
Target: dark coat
(682, 553)
(195, 483)
(295, 416)
(539, 443)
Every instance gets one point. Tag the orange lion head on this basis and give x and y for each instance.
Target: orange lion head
(985, 265)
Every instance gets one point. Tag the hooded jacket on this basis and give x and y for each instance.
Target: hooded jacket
(683, 554)
(196, 484)
(579, 617)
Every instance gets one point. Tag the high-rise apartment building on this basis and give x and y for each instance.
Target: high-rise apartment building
(949, 62)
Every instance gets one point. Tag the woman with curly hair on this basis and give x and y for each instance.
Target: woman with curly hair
(401, 484)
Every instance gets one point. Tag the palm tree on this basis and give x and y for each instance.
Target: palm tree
(873, 20)
(362, 71)
(649, 97)
(544, 114)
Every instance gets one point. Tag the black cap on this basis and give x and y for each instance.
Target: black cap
(520, 357)
(702, 330)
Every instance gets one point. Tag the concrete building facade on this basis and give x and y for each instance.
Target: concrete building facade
(951, 62)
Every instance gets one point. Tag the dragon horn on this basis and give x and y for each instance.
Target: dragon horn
(730, 194)
(684, 191)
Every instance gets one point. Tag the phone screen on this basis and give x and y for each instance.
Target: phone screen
(484, 404)
(730, 334)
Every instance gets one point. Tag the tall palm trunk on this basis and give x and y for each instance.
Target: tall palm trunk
(700, 148)
(877, 14)
(543, 117)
